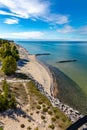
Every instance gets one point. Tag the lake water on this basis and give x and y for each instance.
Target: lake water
(77, 71)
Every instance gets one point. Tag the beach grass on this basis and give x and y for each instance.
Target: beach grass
(58, 117)
(20, 92)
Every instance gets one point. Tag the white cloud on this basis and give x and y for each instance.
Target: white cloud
(66, 29)
(57, 19)
(34, 9)
(11, 21)
(23, 35)
(25, 8)
(82, 30)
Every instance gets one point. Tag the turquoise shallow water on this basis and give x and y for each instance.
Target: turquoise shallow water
(77, 71)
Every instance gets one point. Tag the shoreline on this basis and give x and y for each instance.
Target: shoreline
(73, 115)
(69, 92)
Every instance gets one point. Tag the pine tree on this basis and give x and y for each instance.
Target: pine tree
(7, 100)
(9, 65)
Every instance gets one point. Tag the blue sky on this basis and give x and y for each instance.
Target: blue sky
(43, 19)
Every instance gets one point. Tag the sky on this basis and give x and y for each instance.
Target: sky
(43, 19)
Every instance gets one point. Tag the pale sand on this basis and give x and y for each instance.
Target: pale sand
(41, 75)
(14, 121)
(11, 124)
(38, 72)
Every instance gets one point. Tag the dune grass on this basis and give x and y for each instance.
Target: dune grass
(36, 97)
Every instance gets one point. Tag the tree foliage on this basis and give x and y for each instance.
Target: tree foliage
(9, 56)
(7, 98)
(9, 65)
(15, 52)
(9, 49)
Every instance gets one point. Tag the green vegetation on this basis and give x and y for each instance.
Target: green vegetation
(44, 105)
(1, 128)
(29, 120)
(42, 117)
(37, 112)
(7, 99)
(45, 109)
(36, 128)
(34, 93)
(24, 115)
(9, 55)
(29, 128)
(38, 107)
(8, 48)
(22, 125)
(57, 117)
(51, 126)
(53, 119)
(40, 102)
(20, 92)
(9, 65)
(50, 112)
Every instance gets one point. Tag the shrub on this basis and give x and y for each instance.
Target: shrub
(55, 110)
(60, 125)
(37, 112)
(48, 107)
(15, 88)
(63, 119)
(31, 113)
(38, 107)
(57, 116)
(40, 102)
(50, 112)
(24, 116)
(29, 120)
(22, 125)
(53, 119)
(45, 109)
(51, 126)
(42, 117)
(36, 128)
(29, 128)
(44, 105)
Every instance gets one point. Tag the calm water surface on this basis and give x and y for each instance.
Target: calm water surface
(77, 71)
(72, 83)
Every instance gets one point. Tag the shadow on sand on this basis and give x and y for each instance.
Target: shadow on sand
(13, 114)
(22, 62)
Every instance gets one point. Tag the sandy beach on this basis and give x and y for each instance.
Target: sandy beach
(41, 74)
(13, 120)
(38, 72)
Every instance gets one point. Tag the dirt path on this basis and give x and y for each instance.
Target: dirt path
(27, 93)
(14, 81)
